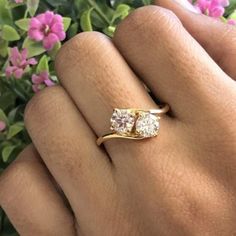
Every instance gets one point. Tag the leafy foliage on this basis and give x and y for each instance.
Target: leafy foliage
(78, 16)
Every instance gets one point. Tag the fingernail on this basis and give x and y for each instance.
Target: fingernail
(187, 5)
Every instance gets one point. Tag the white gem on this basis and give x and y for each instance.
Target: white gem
(122, 121)
(147, 125)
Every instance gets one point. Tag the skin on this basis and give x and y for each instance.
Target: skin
(182, 182)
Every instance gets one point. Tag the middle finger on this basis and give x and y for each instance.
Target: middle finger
(98, 79)
(173, 64)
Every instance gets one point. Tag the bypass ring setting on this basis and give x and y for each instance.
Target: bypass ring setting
(135, 124)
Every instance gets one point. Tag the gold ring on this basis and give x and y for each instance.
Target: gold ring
(136, 124)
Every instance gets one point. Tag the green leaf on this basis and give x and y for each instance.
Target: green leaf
(121, 12)
(232, 15)
(98, 21)
(34, 48)
(13, 114)
(146, 2)
(43, 64)
(12, 5)
(23, 24)
(109, 31)
(5, 13)
(223, 19)
(52, 53)
(3, 116)
(103, 9)
(85, 20)
(58, 3)
(9, 33)
(32, 6)
(7, 98)
(3, 48)
(66, 23)
(6, 152)
(73, 30)
(230, 9)
(15, 129)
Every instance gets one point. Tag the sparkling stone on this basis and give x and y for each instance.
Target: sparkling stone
(147, 125)
(122, 121)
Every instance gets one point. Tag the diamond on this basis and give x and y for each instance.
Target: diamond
(122, 121)
(147, 125)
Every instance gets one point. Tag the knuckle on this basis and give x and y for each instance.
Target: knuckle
(201, 211)
(42, 103)
(78, 50)
(15, 176)
(228, 37)
(149, 19)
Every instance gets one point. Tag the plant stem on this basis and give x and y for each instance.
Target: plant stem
(26, 14)
(15, 91)
(98, 10)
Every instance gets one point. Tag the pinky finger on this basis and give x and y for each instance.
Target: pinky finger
(30, 199)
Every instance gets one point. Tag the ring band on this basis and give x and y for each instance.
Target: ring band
(134, 124)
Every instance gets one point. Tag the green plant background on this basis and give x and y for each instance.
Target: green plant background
(79, 15)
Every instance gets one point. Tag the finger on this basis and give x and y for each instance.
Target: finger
(216, 37)
(30, 199)
(96, 76)
(68, 147)
(174, 66)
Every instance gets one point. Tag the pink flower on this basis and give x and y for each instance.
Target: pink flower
(18, 62)
(2, 125)
(231, 21)
(213, 8)
(19, 1)
(40, 81)
(48, 28)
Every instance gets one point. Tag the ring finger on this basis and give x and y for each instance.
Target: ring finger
(98, 79)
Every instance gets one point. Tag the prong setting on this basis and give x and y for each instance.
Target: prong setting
(135, 123)
(122, 121)
(147, 125)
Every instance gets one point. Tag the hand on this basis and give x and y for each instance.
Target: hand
(182, 182)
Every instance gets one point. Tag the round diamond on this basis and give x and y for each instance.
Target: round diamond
(147, 125)
(122, 121)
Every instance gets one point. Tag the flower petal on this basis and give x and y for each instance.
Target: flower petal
(57, 19)
(37, 79)
(44, 75)
(15, 56)
(36, 34)
(32, 61)
(18, 73)
(2, 125)
(9, 70)
(49, 82)
(35, 88)
(232, 22)
(61, 35)
(224, 3)
(35, 23)
(58, 29)
(22, 64)
(50, 41)
(217, 12)
(48, 16)
(24, 54)
(202, 5)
